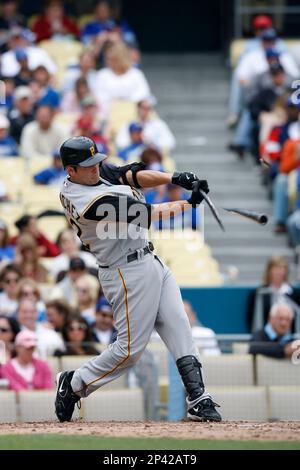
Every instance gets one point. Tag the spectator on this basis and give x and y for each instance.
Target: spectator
(22, 112)
(7, 250)
(104, 27)
(7, 88)
(8, 145)
(48, 340)
(69, 246)
(29, 289)
(9, 281)
(72, 100)
(41, 137)
(25, 372)
(48, 95)
(21, 38)
(9, 328)
(24, 76)
(205, 337)
(54, 23)
(58, 313)
(28, 259)
(65, 289)
(133, 151)
(53, 175)
(155, 131)
(78, 338)
(90, 124)
(84, 69)
(27, 224)
(275, 288)
(119, 80)
(10, 18)
(104, 331)
(87, 291)
(275, 339)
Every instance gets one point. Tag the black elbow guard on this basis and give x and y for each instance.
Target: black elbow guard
(134, 168)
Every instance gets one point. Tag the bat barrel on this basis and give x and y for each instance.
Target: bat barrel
(261, 219)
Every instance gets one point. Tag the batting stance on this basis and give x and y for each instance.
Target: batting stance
(106, 208)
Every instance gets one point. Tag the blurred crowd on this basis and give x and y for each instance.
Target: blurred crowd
(264, 110)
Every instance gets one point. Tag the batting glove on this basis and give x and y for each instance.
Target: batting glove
(196, 197)
(185, 180)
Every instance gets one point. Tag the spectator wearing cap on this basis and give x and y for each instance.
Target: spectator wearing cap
(25, 74)
(10, 278)
(21, 38)
(65, 288)
(24, 371)
(78, 338)
(7, 250)
(48, 341)
(155, 131)
(54, 23)
(133, 151)
(8, 145)
(104, 331)
(22, 112)
(47, 94)
(69, 245)
(119, 80)
(9, 328)
(41, 137)
(27, 224)
(53, 175)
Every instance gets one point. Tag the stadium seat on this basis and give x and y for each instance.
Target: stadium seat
(284, 403)
(276, 371)
(38, 405)
(240, 348)
(54, 364)
(115, 405)
(241, 403)
(228, 369)
(8, 411)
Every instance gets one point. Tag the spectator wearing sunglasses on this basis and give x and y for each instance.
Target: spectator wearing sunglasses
(104, 331)
(9, 328)
(29, 289)
(78, 338)
(9, 281)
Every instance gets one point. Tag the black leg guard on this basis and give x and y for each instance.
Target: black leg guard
(190, 370)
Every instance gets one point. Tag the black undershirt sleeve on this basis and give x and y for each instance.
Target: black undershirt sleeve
(113, 173)
(120, 209)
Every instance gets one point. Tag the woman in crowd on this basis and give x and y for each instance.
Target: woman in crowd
(58, 313)
(28, 259)
(29, 289)
(9, 328)
(24, 371)
(276, 288)
(78, 338)
(87, 291)
(9, 282)
(71, 102)
(119, 80)
(7, 251)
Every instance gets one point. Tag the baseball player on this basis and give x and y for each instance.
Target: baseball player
(104, 205)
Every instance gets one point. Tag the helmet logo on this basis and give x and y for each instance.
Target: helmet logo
(92, 149)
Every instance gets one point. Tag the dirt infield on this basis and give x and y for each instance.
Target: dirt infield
(240, 430)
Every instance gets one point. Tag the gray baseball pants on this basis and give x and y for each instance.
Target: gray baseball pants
(144, 295)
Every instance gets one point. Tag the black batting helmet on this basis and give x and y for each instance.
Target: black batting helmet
(80, 151)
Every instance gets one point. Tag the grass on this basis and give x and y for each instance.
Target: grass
(64, 442)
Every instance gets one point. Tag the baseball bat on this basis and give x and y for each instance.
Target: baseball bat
(213, 209)
(261, 219)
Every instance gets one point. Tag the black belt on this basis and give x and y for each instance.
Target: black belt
(135, 255)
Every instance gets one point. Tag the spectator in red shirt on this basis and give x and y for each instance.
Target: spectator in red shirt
(25, 372)
(54, 23)
(28, 224)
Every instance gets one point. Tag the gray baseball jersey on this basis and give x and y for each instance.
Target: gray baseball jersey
(143, 292)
